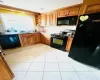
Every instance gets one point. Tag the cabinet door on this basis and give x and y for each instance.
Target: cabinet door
(48, 20)
(38, 20)
(54, 18)
(37, 38)
(30, 39)
(51, 19)
(92, 8)
(43, 19)
(24, 40)
(47, 39)
(5, 71)
(42, 39)
(73, 11)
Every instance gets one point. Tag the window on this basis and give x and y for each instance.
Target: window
(17, 22)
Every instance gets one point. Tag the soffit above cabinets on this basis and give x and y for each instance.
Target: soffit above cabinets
(41, 5)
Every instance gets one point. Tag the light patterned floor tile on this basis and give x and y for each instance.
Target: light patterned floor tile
(36, 67)
(51, 67)
(52, 76)
(69, 76)
(33, 76)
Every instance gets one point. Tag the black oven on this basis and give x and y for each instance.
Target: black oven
(59, 43)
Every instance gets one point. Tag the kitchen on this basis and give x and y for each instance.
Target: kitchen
(31, 52)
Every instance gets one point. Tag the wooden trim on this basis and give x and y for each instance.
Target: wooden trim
(17, 9)
(7, 66)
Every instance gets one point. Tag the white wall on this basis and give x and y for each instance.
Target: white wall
(1, 26)
(57, 29)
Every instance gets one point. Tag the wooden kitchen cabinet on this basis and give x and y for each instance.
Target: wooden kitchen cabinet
(62, 13)
(45, 38)
(37, 38)
(54, 18)
(69, 42)
(73, 11)
(91, 8)
(38, 19)
(48, 19)
(29, 39)
(43, 19)
(5, 71)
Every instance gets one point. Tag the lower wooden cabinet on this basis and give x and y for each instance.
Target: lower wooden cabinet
(45, 38)
(37, 38)
(5, 71)
(69, 42)
(29, 39)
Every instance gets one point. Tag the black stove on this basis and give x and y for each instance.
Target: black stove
(59, 41)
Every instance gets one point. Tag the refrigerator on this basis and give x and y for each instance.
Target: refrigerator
(85, 47)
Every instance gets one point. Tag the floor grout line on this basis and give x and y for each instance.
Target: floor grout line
(59, 67)
(27, 70)
(44, 64)
(76, 72)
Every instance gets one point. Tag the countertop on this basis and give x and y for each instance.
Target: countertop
(11, 33)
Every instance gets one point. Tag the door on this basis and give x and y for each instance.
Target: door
(86, 39)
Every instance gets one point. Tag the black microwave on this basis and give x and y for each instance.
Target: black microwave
(67, 20)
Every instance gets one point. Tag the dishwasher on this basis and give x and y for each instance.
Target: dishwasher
(8, 41)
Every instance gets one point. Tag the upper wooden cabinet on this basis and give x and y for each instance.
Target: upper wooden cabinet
(62, 13)
(92, 8)
(43, 19)
(38, 20)
(54, 18)
(5, 71)
(73, 11)
(47, 20)
(50, 19)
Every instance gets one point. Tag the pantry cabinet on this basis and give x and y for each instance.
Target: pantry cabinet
(5, 71)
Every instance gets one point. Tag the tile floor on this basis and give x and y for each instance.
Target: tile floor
(41, 62)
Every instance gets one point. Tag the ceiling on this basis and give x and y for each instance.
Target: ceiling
(40, 5)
